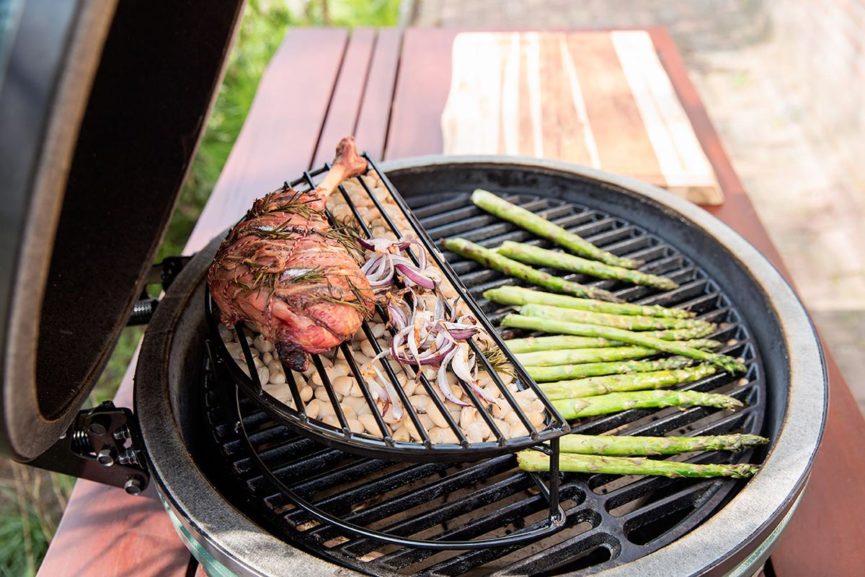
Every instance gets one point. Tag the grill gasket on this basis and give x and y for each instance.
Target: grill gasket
(700, 294)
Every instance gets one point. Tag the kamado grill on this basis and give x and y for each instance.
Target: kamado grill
(256, 488)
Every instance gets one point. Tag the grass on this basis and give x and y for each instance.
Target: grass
(32, 501)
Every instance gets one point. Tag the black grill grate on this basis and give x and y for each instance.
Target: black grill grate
(610, 520)
(385, 446)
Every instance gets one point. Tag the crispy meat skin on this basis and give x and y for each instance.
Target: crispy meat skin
(283, 270)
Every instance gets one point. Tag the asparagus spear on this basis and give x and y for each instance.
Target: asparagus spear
(683, 334)
(558, 342)
(628, 446)
(591, 386)
(563, 372)
(546, 229)
(575, 356)
(627, 322)
(536, 255)
(535, 461)
(492, 259)
(729, 364)
(515, 295)
(618, 402)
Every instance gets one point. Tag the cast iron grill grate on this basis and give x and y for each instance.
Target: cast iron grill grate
(609, 520)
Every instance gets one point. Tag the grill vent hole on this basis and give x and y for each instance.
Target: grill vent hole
(649, 527)
(590, 558)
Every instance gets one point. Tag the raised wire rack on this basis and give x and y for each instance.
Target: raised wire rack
(385, 446)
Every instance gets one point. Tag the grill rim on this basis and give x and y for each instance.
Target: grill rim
(751, 515)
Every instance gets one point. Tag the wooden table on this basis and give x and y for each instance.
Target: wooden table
(390, 89)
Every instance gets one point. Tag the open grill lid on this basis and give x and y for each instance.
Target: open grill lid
(101, 110)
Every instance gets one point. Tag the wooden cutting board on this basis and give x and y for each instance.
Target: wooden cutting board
(601, 99)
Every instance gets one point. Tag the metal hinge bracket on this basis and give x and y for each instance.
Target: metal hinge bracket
(162, 273)
(102, 445)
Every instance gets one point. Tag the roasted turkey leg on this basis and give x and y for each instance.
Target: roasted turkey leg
(284, 270)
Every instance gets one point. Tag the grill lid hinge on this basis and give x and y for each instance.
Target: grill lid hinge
(162, 273)
(102, 445)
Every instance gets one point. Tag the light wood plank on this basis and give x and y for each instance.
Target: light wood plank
(616, 125)
(471, 118)
(683, 163)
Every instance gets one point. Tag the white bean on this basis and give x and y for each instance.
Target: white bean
(518, 430)
(390, 416)
(437, 418)
(475, 432)
(420, 402)
(440, 435)
(339, 369)
(331, 420)
(512, 418)
(313, 409)
(279, 392)
(410, 387)
(262, 344)
(315, 380)
(369, 423)
(356, 391)
(357, 404)
(277, 376)
(425, 421)
(366, 348)
(306, 393)
(377, 330)
(263, 375)
(467, 417)
(401, 434)
(348, 411)
(537, 418)
(326, 409)
(503, 427)
(342, 385)
(321, 394)
(355, 426)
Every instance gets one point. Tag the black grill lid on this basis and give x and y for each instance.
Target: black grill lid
(101, 109)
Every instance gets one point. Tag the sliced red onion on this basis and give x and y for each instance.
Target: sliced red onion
(376, 390)
(396, 316)
(460, 365)
(396, 405)
(442, 381)
(426, 359)
(412, 274)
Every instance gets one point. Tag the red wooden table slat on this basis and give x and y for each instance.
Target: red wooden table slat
(374, 117)
(826, 534)
(347, 96)
(106, 533)
(421, 91)
(279, 139)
